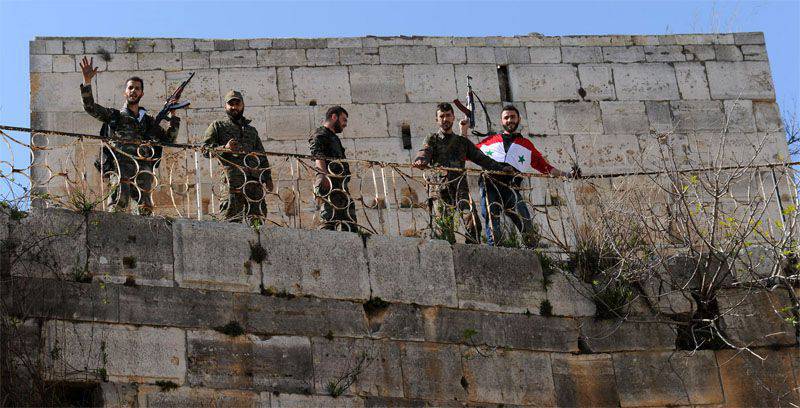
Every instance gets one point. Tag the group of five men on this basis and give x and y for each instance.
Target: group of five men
(249, 177)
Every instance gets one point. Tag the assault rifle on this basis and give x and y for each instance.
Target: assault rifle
(162, 114)
(469, 110)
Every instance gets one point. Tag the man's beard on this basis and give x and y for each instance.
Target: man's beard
(235, 114)
(132, 101)
(337, 127)
(446, 127)
(511, 127)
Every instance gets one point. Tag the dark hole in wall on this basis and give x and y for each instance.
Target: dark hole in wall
(74, 394)
(505, 89)
(405, 131)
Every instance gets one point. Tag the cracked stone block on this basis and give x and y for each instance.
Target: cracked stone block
(439, 364)
(508, 377)
(740, 80)
(374, 365)
(654, 81)
(584, 380)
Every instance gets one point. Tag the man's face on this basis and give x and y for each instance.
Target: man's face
(234, 108)
(339, 122)
(445, 120)
(510, 120)
(133, 92)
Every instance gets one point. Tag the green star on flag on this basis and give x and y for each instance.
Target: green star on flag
(521, 159)
(489, 153)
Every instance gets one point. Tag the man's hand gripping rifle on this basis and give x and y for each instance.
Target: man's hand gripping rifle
(469, 110)
(173, 102)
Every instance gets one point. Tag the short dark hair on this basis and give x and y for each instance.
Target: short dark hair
(510, 108)
(444, 107)
(335, 110)
(135, 79)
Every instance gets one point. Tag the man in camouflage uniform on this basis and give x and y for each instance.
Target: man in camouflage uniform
(133, 162)
(246, 167)
(336, 207)
(446, 149)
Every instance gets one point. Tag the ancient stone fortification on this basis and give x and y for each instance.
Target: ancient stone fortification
(281, 317)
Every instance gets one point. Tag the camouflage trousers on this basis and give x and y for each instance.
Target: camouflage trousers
(246, 195)
(451, 201)
(136, 180)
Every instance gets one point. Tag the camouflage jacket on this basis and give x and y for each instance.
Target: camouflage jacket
(451, 150)
(324, 143)
(126, 125)
(220, 132)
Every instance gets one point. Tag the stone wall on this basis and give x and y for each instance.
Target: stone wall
(234, 316)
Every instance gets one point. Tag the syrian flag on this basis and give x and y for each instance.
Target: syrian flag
(518, 155)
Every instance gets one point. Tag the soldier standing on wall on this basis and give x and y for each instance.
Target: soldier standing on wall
(246, 167)
(446, 149)
(132, 161)
(336, 208)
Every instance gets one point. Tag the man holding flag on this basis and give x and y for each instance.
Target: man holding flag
(500, 193)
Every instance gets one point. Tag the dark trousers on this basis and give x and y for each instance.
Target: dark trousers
(504, 200)
(246, 194)
(337, 210)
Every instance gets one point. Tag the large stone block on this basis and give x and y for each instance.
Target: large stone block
(451, 55)
(569, 296)
(281, 57)
(363, 121)
(48, 91)
(398, 322)
(754, 52)
(408, 55)
(99, 46)
(484, 82)
(429, 83)
(611, 335)
(542, 118)
(755, 319)
(543, 82)
(584, 380)
(664, 53)
(325, 85)
(739, 116)
(228, 244)
(355, 56)
(63, 63)
(303, 401)
(278, 314)
(290, 122)
(579, 117)
(48, 298)
(624, 117)
(167, 61)
(41, 63)
(258, 86)
(660, 116)
(740, 80)
(480, 55)
(127, 247)
(377, 84)
(692, 81)
(411, 270)
(508, 377)
(319, 57)
(122, 353)
(603, 155)
(728, 53)
(320, 263)
(633, 53)
(645, 82)
(49, 243)
(766, 380)
(699, 52)
(545, 55)
(155, 396)
(177, 307)
(419, 117)
(694, 116)
(597, 81)
(581, 54)
(767, 117)
(439, 365)
(482, 284)
(373, 366)
(278, 363)
(667, 378)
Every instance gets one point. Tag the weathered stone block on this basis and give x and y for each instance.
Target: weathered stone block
(545, 55)
(232, 58)
(320, 56)
(408, 55)
(100, 46)
(763, 381)
(41, 63)
(597, 81)
(624, 117)
(610, 335)
(311, 42)
(284, 43)
(699, 52)
(364, 121)
(355, 56)
(123, 353)
(579, 117)
(667, 378)
(749, 38)
(728, 53)
(645, 82)
(289, 122)
(167, 61)
(508, 377)
(692, 81)
(584, 380)
(47, 91)
(429, 83)
(278, 363)
(298, 316)
(182, 45)
(49, 243)
(125, 247)
(480, 55)
(517, 288)
(373, 365)
(281, 57)
(63, 63)
(346, 42)
(122, 62)
(195, 242)
(178, 307)
(54, 46)
(285, 84)
(398, 322)
(326, 85)
(693, 116)
(740, 80)
(377, 84)
(754, 52)
(440, 365)
(258, 85)
(539, 40)
(586, 40)
(116, 395)
(660, 116)
(542, 117)
(320, 263)
(484, 82)
(623, 54)
(396, 262)
(755, 319)
(154, 396)
(664, 53)
(608, 156)
(543, 82)
(49, 298)
(569, 297)
(581, 54)
(767, 117)
(739, 116)
(301, 401)
(204, 92)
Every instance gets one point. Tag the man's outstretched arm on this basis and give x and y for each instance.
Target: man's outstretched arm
(101, 113)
